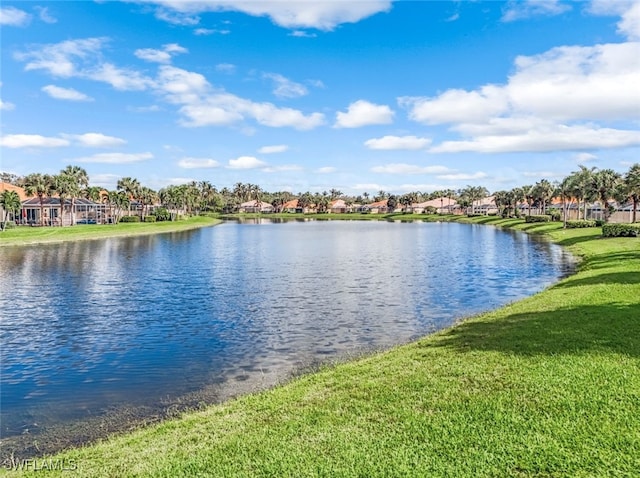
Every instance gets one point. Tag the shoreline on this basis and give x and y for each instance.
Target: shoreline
(28, 236)
(245, 404)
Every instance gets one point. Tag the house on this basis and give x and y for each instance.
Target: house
(256, 206)
(292, 207)
(11, 187)
(338, 206)
(82, 211)
(442, 205)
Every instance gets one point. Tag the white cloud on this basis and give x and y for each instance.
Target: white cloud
(402, 168)
(144, 109)
(585, 157)
(14, 17)
(325, 170)
(629, 24)
(69, 94)
(300, 14)
(558, 138)
(462, 176)
(210, 31)
(522, 9)
(177, 18)
(202, 105)
(226, 68)
(43, 14)
(285, 88)
(246, 162)
(283, 168)
(6, 106)
(277, 148)
(302, 34)
(104, 180)
(397, 142)
(120, 78)
(59, 59)
(152, 55)
(31, 141)
(541, 174)
(363, 113)
(82, 59)
(552, 101)
(114, 158)
(198, 163)
(95, 140)
(160, 56)
(457, 105)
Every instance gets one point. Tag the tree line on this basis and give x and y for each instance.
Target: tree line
(582, 186)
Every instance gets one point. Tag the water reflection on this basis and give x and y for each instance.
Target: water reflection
(143, 321)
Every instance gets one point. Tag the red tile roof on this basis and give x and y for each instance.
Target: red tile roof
(10, 187)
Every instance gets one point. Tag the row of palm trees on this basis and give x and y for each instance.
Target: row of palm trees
(582, 186)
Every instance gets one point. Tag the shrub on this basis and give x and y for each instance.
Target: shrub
(162, 214)
(474, 215)
(149, 219)
(430, 210)
(130, 219)
(600, 222)
(580, 224)
(538, 218)
(621, 230)
(555, 215)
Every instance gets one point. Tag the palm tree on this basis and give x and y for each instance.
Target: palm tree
(449, 194)
(64, 187)
(10, 202)
(629, 188)
(542, 192)
(118, 200)
(39, 185)
(131, 187)
(565, 190)
(76, 179)
(392, 202)
(582, 185)
(605, 183)
(92, 193)
(502, 202)
(335, 194)
(529, 197)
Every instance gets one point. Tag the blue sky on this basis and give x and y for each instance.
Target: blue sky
(358, 96)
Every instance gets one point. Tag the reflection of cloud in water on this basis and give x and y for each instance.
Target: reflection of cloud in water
(220, 311)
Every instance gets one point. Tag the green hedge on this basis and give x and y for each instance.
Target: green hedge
(538, 218)
(580, 224)
(621, 230)
(149, 219)
(130, 219)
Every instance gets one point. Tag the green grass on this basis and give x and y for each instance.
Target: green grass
(24, 235)
(547, 387)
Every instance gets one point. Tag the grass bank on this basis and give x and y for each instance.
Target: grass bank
(547, 386)
(25, 235)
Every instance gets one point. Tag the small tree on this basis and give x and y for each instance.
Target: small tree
(10, 202)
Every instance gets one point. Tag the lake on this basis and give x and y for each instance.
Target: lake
(99, 334)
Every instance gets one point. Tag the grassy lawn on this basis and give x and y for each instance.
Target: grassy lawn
(37, 235)
(547, 386)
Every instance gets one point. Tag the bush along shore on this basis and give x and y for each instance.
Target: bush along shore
(547, 386)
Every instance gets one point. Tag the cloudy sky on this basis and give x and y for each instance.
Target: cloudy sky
(307, 95)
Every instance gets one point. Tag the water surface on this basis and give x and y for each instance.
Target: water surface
(138, 324)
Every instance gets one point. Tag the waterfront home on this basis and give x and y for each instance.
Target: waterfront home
(256, 206)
